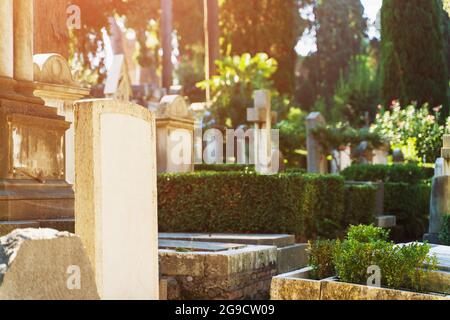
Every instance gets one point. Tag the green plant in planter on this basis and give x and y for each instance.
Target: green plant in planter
(367, 234)
(321, 258)
(353, 258)
(402, 267)
(444, 236)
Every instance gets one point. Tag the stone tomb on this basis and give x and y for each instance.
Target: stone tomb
(32, 135)
(290, 255)
(175, 135)
(242, 273)
(55, 84)
(116, 196)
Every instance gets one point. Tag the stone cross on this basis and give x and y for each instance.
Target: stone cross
(262, 117)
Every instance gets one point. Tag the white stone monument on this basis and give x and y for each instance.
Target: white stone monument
(175, 135)
(116, 196)
(55, 84)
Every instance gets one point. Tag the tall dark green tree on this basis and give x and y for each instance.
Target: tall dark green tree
(270, 26)
(340, 30)
(414, 66)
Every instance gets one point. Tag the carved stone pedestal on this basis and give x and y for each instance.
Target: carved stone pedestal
(32, 165)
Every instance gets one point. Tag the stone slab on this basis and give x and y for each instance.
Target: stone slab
(278, 240)
(44, 264)
(292, 258)
(198, 246)
(386, 221)
(443, 255)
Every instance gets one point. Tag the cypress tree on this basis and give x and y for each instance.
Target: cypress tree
(414, 66)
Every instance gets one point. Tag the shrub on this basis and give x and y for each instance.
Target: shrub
(406, 173)
(321, 258)
(444, 236)
(352, 259)
(360, 202)
(402, 267)
(367, 234)
(411, 205)
(308, 206)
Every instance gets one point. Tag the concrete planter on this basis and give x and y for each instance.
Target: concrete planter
(297, 286)
(334, 290)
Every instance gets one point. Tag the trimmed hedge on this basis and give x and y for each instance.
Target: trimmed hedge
(224, 167)
(360, 204)
(308, 206)
(411, 204)
(407, 173)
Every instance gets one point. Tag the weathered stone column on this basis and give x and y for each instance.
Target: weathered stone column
(6, 39)
(23, 40)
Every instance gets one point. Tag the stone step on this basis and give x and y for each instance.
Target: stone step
(386, 221)
(7, 227)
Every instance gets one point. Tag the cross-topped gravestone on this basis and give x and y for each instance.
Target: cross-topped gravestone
(262, 117)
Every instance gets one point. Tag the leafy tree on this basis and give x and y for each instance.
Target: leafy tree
(357, 94)
(413, 54)
(233, 86)
(271, 26)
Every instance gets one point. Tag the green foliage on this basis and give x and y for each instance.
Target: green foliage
(367, 234)
(444, 236)
(308, 206)
(271, 26)
(410, 203)
(360, 202)
(340, 29)
(414, 66)
(402, 267)
(233, 86)
(356, 97)
(321, 258)
(407, 173)
(332, 137)
(412, 128)
(293, 137)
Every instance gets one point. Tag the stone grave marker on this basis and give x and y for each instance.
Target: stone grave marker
(317, 162)
(116, 196)
(440, 199)
(175, 125)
